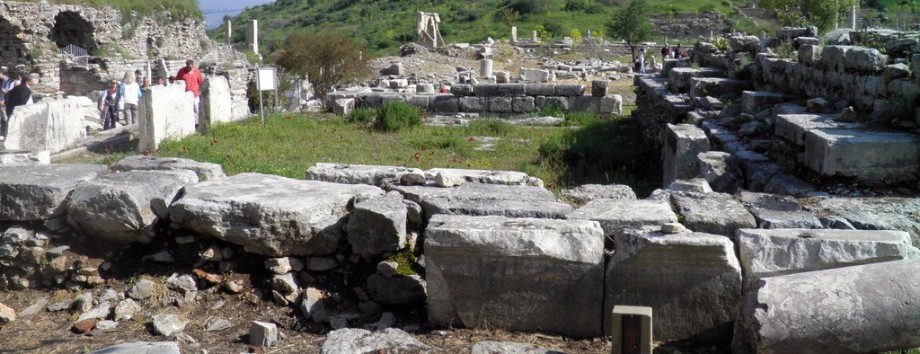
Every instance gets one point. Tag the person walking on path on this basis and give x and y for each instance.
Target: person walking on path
(131, 94)
(193, 79)
(108, 105)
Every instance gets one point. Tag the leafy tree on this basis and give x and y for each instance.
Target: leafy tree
(325, 59)
(632, 25)
(821, 13)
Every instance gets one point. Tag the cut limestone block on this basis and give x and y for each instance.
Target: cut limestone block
(268, 214)
(124, 207)
(360, 341)
(774, 211)
(486, 199)
(874, 213)
(715, 213)
(166, 112)
(358, 174)
(683, 142)
(204, 170)
(511, 178)
(38, 192)
(691, 280)
(755, 101)
(862, 309)
(767, 253)
(867, 155)
(377, 226)
(617, 215)
(793, 127)
(518, 274)
(716, 87)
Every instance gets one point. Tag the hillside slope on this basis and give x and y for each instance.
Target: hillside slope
(385, 25)
(179, 9)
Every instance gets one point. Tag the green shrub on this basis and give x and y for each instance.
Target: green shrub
(361, 115)
(396, 116)
(721, 43)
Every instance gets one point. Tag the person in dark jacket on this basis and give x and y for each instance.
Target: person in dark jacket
(19, 95)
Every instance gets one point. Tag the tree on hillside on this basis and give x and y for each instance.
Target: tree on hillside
(324, 59)
(631, 24)
(821, 13)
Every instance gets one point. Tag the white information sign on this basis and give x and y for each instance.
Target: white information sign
(265, 79)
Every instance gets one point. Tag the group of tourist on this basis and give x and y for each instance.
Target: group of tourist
(15, 91)
(122, 98)
(674, 53)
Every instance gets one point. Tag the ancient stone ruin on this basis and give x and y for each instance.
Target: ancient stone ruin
(427, 30)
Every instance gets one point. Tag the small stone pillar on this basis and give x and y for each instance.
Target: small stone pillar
(533, 37)
(682, 143)
(252, 36)
(632, 329)
(513, 34)
(485, 68)
(588, 36)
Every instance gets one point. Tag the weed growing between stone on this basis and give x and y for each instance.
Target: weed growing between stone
(603, 151)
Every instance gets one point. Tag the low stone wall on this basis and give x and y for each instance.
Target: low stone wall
(514, 98)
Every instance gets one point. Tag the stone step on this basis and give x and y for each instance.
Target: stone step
(755, 101)
(710, 86)
(867, 155)
(793, 127)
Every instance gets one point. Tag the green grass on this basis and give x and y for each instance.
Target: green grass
(289, 144)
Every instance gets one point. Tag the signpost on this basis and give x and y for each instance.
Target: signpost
(265, 81)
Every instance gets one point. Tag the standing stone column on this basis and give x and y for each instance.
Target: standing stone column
(252, 36)
(513, 34)
(485, 67)
(533, 37)
(229, 25)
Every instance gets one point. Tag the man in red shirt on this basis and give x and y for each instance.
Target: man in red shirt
(192, 77)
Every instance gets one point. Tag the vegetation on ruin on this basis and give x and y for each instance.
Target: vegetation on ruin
(178, 9)
(327, 59)
(602, 151)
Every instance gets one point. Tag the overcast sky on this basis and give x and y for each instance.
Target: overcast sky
(213, 19)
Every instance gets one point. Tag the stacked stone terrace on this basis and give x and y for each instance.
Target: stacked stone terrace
(489, 98)
(839, 111)
(751, 270)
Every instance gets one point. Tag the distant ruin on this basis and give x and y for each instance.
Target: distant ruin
(428, 31)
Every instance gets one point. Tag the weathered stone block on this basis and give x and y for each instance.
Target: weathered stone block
(517, 274)
(553, 101)
(510, 90)
(809, 54)
(485, 90)
(859, 309)
(486, 199)
(863, 59)
(424, 89)
(204, 170)
(461, 90)
(774, 211)
(682, 143)
(767, 253)
(715, 213)
(216, 101)
(38, 192)
(420, 101)
(750, 44)
(570, 90)
(500, 105)
(444, 103)
(522, 104)
(53, 125)
(692, 281)
(294, 217)
(711, 86)
(717, 168)
(166, 112)
(357, 174)
(599, 88)
(755, 101)
(377, 225)
(472, 104)
(834, 57)
(539, 89)
(610, 104)
(679, 78)
(344, 106)
(536, 75)
(867, 155)
(587, 104)
(793, 127)
(617, 215)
